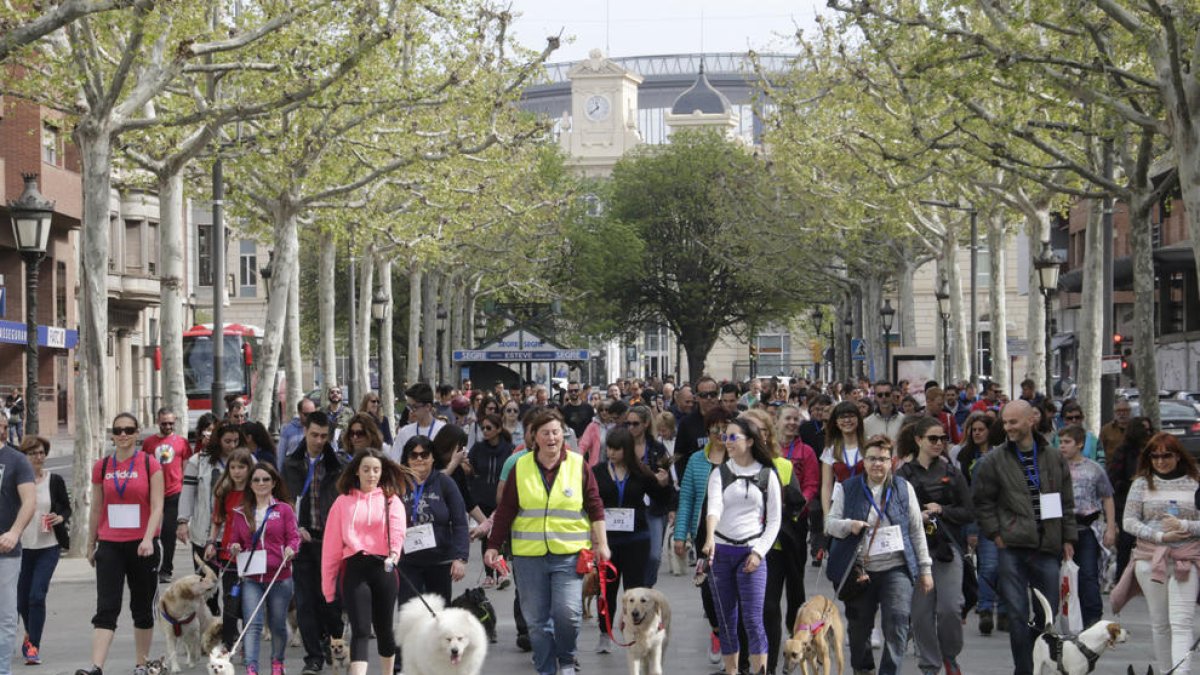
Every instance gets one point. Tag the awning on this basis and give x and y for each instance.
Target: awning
(13, 333)
(1062, 341)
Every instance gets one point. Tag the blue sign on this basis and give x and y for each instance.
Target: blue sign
(858, 349)
(507, 355)
(13, 333)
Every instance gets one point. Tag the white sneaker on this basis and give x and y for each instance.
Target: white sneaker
(876, 638)
(714, 648)
(604, 644)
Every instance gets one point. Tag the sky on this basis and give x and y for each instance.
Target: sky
(650, 27)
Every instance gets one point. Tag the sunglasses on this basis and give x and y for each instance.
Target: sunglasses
(1073, 418)
(572, 391)
(419, 455)
(707, 394)
(124, 431)
(1162, 455)
(629, 425)
(730, 438)
(262, 479)
(937, 439)
(488, 427)
(374, 400)
(513, 411)
(356, 433)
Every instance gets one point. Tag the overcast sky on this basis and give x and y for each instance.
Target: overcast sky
(646, 27)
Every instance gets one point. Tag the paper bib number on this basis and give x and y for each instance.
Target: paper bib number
(124, 516)
(618, 520)
(1051, 505)
(887, 540)
(419, 538)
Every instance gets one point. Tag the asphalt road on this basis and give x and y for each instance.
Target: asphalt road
(72, 602)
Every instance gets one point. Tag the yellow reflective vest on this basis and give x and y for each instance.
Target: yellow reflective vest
(554, 523)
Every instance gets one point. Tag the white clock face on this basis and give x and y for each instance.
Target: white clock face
(596, 108)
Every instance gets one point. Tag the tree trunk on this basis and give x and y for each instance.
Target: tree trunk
(877, 356)
(469, 311)
(325, 315)
(697, 346)
(1145, 369)
(91, 390)
(997, 302)
(387, 362)
(171, 281)
(446, 298)
(287, 251)
(1091, 321)
(458, 326)
(366, 293)
(907, 312)
(429, 301)
(413, 358)
(1038, 231)
(293, 359)
(960, 363)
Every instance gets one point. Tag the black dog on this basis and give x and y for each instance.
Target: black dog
(475, 601)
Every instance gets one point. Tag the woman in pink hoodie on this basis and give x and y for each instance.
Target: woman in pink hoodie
(364, 536)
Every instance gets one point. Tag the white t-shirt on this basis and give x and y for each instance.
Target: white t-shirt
(413, 429)
(850, 456)
(33, 537)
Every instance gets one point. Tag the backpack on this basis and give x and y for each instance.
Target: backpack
(761, 480)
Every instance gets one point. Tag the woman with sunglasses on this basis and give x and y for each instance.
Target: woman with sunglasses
(653, 455)
(511, 416)
(264, 525)
(1161, 513)
(437, 541)
(122, 543)
(42, 543)
(487, 459)
(875, 520)
(371, 406)
(486, 406)
(946, 509)
(361, 434)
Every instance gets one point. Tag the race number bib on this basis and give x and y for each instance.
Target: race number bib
(618, 520)
(419, 538)
(251, 563)
(124, 516)
(1051, 505)
(887, 540)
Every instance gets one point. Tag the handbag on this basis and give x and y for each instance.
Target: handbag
(585, 562)
(856, 581)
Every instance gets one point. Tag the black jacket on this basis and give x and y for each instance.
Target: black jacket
(486, 461)
(637, 487)
(60, 503)
(690, 438)
(813, 435)
(295, 471)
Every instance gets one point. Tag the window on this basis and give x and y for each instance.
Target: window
(985, 353)
(983, 267)
(248, 270)
(60, 294)
(204, 266)
(774, 353)
(134, 262)
(151, 252)
(50, 144)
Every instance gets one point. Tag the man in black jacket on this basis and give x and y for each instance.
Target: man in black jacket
(692, 434)
(311, 473)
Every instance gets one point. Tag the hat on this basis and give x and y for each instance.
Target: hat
(460, 404)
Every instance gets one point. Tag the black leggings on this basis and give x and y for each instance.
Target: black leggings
(369, 594)
(233, 606)
(630, 559)
(117, 562)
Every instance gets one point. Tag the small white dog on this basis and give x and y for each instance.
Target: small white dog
(1093, 642)
(451, 642)
(646, 622)
(220, 661)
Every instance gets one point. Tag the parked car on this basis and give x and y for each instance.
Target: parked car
(1178, 418)
(1192, 397)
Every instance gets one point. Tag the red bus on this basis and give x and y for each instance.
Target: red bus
(241, 344)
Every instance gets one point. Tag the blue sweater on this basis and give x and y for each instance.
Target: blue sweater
(693, 490)
(442, 505)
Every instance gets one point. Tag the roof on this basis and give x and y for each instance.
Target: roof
(701, 98)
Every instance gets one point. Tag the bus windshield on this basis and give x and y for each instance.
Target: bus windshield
(198, 366)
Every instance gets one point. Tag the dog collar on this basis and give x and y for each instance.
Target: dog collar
(813, 628)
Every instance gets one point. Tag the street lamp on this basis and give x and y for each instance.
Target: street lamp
(1048, 265)
(818, 316)
(442, 315)
(888, 315)
(848, 323)
(378, 313)
(943, 301)
(31, 214)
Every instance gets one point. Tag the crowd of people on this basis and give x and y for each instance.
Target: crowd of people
(921, 503)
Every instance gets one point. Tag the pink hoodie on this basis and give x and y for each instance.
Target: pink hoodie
(355, 525)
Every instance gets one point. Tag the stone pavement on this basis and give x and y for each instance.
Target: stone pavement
(72, 602)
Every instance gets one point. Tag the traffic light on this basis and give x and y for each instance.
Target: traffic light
(1118, 340)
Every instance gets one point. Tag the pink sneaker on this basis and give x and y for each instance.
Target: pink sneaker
(276, 667)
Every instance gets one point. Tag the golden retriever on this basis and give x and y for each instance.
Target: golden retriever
(646, 622)
(182, 615)
(819, 629)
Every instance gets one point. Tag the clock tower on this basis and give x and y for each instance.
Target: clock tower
(603, 122)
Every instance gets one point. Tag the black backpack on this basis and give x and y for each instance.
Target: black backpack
(761, 480)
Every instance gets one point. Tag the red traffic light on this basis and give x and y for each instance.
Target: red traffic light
(1118, 339)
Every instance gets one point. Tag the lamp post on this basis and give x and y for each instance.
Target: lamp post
(848, 323)
(379, 303)
(943, 301)
(31, 214)
(442, 315)
(888, 315)
(1048, 265)
(818, 316)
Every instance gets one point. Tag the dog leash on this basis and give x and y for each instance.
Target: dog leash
(602, 601)
(413, 588)
(247, 620)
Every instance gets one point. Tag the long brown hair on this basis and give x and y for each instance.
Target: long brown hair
(374, 437)
(250, 500)
(622, 439)
(833, 433)
(765, 426)
(394, 479)
(225, 482)
(1164, 442)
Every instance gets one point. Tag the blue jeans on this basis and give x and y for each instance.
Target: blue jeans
(988, 558)
(10, 572)
(658, 528)
(276, 609)
(37, 566)
(1087, 556)
(552, 603)
(890, 593)
(1020, 569)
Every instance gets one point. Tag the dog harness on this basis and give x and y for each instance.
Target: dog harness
(176, 624)
(1055, 642)
(813, 628)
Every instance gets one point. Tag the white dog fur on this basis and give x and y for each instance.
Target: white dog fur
(452, 642)
(1098, 637)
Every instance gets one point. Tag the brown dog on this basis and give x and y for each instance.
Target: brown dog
(591, 591)
(819, 629)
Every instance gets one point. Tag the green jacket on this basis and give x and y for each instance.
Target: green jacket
(1003, 505)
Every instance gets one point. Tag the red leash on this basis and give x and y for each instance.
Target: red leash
(602, 603)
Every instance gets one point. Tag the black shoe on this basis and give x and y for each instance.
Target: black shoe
(523, 643)
(311, 667)
(94, 671)
(1002, 622)
(985, 623)
(164, 577)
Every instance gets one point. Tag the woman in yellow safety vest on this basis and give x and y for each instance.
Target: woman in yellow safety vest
(552, 509)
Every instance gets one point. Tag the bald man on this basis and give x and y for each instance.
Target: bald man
(1024, 503)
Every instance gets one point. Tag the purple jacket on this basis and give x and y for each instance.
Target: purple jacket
(281, 531)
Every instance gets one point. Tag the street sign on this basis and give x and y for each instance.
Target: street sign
(507, 355)
(1018, 347)
(858, 349)
(1110, 364)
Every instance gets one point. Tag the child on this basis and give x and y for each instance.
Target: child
(1093, 498)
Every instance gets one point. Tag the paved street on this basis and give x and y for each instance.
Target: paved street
(72, 601)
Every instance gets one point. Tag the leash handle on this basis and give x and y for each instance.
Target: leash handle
(247, 620)
(602, 603)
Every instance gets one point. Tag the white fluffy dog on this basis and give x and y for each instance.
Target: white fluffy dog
(452, 642)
